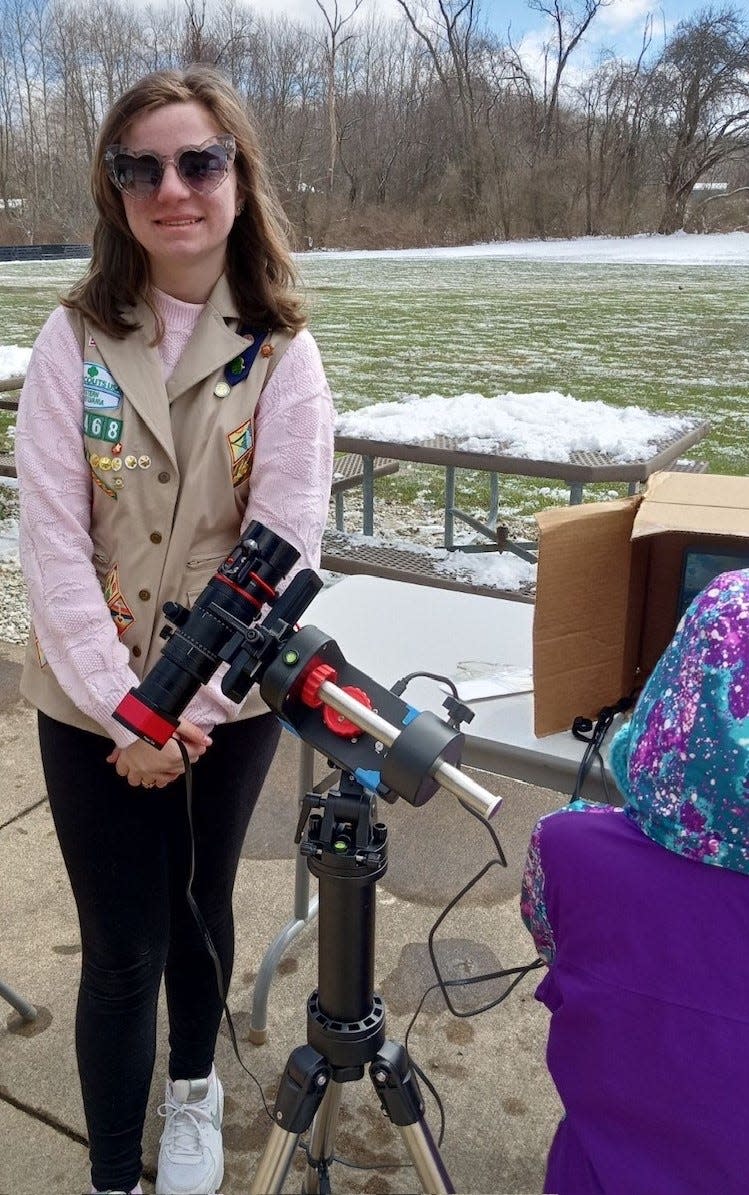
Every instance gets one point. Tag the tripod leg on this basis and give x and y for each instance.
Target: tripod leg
(300, 1094)
(399, 1094)
(22, 1007)
(322, 1140)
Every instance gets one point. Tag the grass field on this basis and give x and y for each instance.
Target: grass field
(669, 338)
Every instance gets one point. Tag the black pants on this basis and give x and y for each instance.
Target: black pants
(127, 852)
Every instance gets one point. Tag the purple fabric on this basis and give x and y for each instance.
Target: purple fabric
(649, 996)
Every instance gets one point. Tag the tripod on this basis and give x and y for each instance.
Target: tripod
(347, 850)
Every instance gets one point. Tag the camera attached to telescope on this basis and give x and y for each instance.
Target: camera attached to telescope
(386, 745)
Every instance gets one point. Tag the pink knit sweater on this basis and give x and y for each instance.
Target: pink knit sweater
(289, 492)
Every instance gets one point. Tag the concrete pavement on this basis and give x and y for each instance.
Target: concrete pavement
(500, 1107)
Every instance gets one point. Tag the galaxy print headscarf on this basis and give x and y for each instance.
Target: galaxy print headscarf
(682, 762)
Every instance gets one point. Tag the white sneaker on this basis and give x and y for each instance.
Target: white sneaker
(191, 1154)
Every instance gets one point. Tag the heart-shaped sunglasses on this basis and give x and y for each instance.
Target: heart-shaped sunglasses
(202, 167)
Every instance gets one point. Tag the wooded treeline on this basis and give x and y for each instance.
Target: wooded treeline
(424, 129)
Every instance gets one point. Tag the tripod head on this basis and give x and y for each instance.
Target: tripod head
(387, 746)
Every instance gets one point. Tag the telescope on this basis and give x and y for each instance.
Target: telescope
(383, 747)
(388, 746)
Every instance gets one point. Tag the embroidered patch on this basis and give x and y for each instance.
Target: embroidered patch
(240, 450)
(99, 427)
(100, 391)
(122, 615)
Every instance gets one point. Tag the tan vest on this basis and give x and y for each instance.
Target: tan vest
(170, 466)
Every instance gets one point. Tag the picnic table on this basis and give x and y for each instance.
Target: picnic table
(452, 453)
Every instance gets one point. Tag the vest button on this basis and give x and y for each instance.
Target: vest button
(155, 537)
(136, 651)
(144, 594)
(164, 477)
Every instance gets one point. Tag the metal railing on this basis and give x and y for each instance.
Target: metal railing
(9, 391)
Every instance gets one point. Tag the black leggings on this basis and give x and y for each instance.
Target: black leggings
(127, 853)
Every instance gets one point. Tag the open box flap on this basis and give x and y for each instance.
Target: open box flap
(588, 608)
(703, 504)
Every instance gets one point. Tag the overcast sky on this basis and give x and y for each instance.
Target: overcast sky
(617, 27)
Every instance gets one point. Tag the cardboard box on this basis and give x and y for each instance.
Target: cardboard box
(609, 580)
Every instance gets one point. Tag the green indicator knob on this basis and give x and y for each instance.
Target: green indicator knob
(340, 845)
(291, 657)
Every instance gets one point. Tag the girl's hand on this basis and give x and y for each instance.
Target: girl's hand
(145, 765)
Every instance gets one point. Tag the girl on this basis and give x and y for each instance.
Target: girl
(173, 398)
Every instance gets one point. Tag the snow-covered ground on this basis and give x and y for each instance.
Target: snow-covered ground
(13, 361)
(679, 247)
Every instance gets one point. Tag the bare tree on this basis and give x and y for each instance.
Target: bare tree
(551, 167)
(569, 23)
(702, 88)
(614, 103)
(335, 21)
(449, 32)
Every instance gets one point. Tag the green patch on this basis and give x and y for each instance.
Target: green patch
(99, 427)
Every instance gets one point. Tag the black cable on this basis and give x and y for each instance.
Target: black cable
(400, 685)
(518, 972)
(205, 931)
(594, 734)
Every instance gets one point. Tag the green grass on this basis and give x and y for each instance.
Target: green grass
(668, 338)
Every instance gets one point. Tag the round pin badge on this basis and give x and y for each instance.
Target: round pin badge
(93, 460)
(222, 389)
(117, 482)
(105, 463)
(144, 462)
(131, 462)
(116, 464)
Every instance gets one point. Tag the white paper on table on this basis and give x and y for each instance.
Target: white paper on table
(505, 680)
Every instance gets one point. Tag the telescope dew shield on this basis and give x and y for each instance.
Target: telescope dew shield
(232, 599)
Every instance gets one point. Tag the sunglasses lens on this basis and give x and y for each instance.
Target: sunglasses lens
(141, 175)
(138, 176)
(203, 169)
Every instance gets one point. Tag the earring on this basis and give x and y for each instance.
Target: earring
(239, 208)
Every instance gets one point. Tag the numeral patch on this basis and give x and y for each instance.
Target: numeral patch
(99, 427)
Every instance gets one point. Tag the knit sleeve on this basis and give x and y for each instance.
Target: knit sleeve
(533, 898)
(291, 476)
(293, 465)
(69, 615)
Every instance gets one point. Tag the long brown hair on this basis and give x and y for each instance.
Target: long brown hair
(259, 266)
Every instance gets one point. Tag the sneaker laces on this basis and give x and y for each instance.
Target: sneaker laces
(184, 1122)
